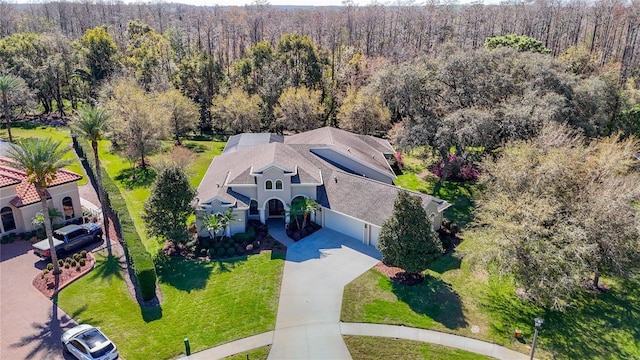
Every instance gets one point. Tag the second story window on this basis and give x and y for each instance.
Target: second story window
(278, 184)
(268, 185)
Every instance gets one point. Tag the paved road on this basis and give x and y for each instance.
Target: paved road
(30, 324)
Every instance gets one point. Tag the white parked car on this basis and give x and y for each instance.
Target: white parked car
(86, 342)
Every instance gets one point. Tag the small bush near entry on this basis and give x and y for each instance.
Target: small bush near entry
(82, 262)
(49, 266)
(76, 256)
(83, 254)
(66, 265)
(68, 260)
(44, 272)
(220, 252)
(231, 251)
(60, 262)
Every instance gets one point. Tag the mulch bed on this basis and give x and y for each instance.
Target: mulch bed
(399, 275)
(50, 284)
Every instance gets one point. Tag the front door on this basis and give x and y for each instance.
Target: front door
(276, 208)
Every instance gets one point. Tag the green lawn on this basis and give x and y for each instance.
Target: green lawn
(261, 353)
(209, 302)
(454, 298)
(459, 194)
(369, 347)
(20, 131)
(136, 192)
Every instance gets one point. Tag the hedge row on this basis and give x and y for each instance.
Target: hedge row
(137, 256)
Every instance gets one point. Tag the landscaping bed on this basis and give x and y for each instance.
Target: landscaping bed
(255, 241)
(72, 268)
(296, 234)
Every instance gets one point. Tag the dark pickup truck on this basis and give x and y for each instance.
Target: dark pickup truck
(68, 238)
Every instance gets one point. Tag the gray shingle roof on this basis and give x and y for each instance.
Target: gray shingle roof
(354, 195)
(348, 143)
(250, 140)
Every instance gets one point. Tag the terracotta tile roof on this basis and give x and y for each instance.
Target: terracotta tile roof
(26, 192)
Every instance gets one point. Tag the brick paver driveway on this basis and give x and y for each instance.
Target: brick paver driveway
(30, 324)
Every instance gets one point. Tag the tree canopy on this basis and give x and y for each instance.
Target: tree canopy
(406, 239)
(167, 209)
(559, 209)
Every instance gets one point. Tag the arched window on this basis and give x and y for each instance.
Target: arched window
(8, 222)
(268, 185)
(253, 208)
(278, 184)
(67, 208)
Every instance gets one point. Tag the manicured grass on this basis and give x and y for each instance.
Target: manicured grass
(454, 298)
(459, 194)
(56, 133)
(370, 347)
(136, 189)
(209, 302)
(261, 353)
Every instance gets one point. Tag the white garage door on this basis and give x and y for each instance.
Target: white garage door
(375, 232)
(343, 224)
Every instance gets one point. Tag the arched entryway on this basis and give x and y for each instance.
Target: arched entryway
(8, 221)
(275, 209)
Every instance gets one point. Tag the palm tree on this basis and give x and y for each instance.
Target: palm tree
(308, 206)
(40, 159)
(92, 125)
(214, 224)
(227, 217)
(9, 84)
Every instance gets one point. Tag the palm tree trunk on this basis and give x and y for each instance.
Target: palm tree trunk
(7, 113)
(47, 227)
(101, 197)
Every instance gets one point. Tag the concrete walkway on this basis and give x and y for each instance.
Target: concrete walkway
(433, 337)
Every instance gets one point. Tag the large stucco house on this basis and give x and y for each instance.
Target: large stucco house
(258, 176)
(19, 201)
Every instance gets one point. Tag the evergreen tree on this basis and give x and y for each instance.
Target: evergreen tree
(406, 238)
(167, 209)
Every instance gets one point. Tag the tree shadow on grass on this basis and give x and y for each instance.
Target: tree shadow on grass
(446, 263)
(184, 274)
(459, 195)
(133, 178)
(600, 325)
(109, 267)
(435, 299)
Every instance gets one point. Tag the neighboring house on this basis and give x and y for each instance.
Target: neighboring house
(19, 201)
(349, 175)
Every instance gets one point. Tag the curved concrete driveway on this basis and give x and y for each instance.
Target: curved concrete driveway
(30, 324)
(315, 273)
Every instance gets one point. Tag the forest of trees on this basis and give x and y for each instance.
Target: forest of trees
(442, 75)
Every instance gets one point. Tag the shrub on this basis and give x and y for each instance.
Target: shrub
(72, 263)
(83, 254)
(248, 236)
(231, 251)
(44, 272)
(76, 256)
(78, 268)
(82, 262)
(60, 262)
(134, 249)
(66, 265)
(212, 253)
(68, 260)
(221, 252)
(49, 266)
